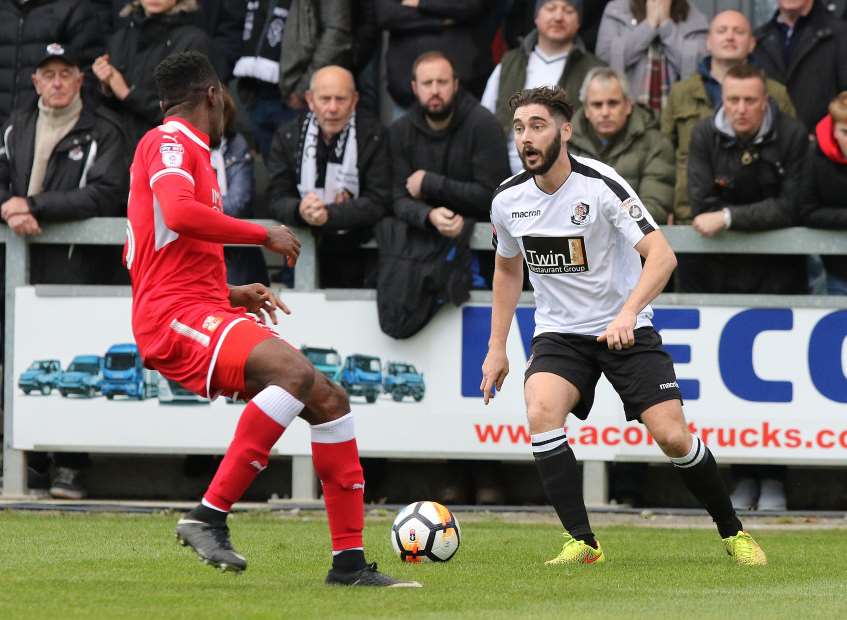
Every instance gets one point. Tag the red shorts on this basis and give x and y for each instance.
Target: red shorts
(205, 349)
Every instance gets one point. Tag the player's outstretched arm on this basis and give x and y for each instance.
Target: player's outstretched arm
(185, 216)
(508, 282)
(659, 263)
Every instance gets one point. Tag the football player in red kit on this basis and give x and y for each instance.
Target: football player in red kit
(194, 329)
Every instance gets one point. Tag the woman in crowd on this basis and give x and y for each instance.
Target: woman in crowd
(654, 43)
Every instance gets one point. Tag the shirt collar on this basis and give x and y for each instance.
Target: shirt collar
(187, 129)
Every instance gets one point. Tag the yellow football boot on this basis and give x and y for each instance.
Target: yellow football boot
(577, 552)
(744, 550)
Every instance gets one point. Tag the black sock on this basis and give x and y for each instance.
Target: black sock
(207, 515)
(560, 479)
(349, 560)
(699, 472)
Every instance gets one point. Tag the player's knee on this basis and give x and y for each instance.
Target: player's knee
(340, 401)
(542, 415)
(334, 404)
(673, 440)
(297, 380)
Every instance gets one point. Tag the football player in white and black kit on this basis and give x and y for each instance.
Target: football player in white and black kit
(582, 232)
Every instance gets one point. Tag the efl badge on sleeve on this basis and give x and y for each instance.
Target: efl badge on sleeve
(172, 155)
(580, 214)
(633, 208)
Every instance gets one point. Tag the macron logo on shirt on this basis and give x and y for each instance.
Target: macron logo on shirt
(519, 215)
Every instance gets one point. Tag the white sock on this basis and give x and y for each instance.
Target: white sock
(694, 456)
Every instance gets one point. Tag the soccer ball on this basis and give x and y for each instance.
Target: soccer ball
(425, 531)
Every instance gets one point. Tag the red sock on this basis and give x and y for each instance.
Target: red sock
(261, 424)
(336, 459)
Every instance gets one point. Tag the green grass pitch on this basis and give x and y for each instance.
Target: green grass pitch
(60, 566)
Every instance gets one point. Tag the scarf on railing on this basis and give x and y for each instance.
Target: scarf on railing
(342, 172)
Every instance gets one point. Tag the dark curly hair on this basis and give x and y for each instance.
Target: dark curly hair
(184, 78)
(555, 99)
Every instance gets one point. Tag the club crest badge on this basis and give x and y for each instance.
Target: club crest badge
(580, 214)
(75, 154)
(210, 324)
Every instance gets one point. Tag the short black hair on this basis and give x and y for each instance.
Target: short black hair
(184, 78)
(555, 99)
(430, 56)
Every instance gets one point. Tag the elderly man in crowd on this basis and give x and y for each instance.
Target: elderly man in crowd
(626, 136)
(64, 158)
(330, 171)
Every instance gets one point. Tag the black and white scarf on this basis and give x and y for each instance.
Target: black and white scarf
(342, 172)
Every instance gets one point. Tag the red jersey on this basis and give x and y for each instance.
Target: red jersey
(175, 230)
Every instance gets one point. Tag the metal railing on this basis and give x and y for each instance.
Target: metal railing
(111, 231)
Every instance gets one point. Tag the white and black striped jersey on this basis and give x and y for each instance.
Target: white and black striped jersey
(578, 244)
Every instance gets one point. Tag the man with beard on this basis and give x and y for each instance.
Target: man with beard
(448, 153)
(582, 231)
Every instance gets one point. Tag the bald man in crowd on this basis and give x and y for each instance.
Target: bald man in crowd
(330, 172)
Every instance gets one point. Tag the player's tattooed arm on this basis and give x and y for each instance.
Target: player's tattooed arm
(257, 299)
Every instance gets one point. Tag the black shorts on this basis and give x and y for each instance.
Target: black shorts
(642, 375)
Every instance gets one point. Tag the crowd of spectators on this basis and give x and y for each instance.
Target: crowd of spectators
(388, 120)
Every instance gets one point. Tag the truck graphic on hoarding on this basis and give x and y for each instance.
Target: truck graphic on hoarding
(326, 361)
(83, 376)
(41, 376)
(124, 373)
(401, 379)
(362, 376)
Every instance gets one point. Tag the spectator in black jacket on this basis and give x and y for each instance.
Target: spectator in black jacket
(418, 26)
(805, 48)
(824, 196)
(448, 153)
(26, 28)
(60, 160)
(330, 171)
(744, 170)
(222, 20)
(154, 30)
